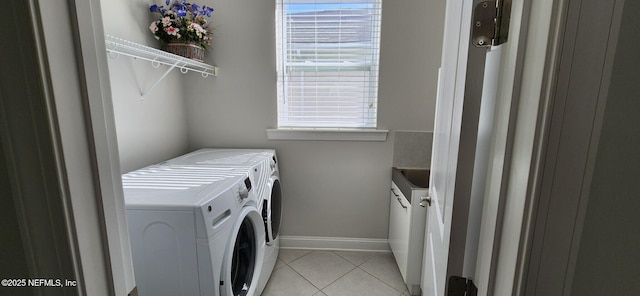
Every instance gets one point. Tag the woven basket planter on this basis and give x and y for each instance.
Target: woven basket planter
(187, 50)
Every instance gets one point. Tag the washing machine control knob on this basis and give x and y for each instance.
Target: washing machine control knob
(243, 192)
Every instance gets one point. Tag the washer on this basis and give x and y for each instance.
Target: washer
(194, 230)
(264, 164)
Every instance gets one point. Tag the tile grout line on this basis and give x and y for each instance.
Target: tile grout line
(379, 279)
(302, 276)
(294, 260)
(354, 268)
(329, 284)
(351, 270)
(358, 265)
(375, 277)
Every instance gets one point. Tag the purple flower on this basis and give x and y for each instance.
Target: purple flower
(180, 9)
(194, 9)
(158, 9)
(205, 11)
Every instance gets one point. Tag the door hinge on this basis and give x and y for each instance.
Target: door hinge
(491, 23)
(459, 286)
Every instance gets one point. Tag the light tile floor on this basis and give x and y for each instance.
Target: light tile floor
(335, 273)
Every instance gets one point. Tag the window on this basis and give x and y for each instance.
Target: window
(327, 63)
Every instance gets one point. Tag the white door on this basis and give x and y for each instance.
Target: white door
(461, 149)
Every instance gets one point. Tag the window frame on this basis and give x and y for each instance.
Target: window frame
(369, 117)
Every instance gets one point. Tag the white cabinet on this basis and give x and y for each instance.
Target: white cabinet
(399, 225)
(406, 234)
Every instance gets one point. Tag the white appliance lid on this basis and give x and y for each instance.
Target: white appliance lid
(179, 186)
(234, 157)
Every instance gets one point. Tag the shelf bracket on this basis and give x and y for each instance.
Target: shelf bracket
(159, 79)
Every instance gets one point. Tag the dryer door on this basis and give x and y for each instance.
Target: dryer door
(272, 210)
(244, 255)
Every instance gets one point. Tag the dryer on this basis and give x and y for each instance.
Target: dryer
(194, 230)
(264, 165)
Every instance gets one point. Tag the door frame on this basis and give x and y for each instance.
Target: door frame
(526, 222)
(93, 63)
(527, 77)
(520, 148)
(513, 193)
(559, 186)
(515, 171)
(68, 40)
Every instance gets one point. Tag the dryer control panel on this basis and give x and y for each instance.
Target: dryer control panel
(244, 189)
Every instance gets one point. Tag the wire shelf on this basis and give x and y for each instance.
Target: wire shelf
(117, 46)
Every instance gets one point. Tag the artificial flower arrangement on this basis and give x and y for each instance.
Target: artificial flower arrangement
(182, 22)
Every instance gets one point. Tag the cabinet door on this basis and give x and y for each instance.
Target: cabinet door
(399, 227)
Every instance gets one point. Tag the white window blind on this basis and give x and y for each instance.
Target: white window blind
(328, 63)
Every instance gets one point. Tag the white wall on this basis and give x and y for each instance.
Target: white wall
(331, 189)
(155, 129)
(608, 259)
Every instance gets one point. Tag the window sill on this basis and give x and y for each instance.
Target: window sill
(315, 134)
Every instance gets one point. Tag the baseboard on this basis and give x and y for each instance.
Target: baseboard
(334, 243)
